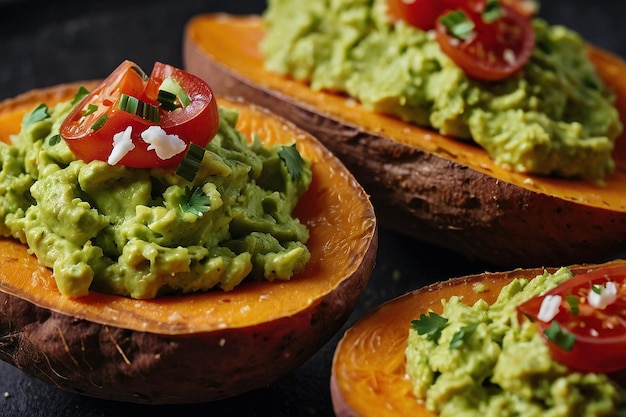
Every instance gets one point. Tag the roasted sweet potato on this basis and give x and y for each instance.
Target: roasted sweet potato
(423, 184)
(192, 348)
(368, 371)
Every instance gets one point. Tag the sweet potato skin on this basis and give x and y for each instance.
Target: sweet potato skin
(432, 194)
(194, 348)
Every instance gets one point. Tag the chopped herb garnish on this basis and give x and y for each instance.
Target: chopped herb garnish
(38, 114)
(167, 100)
(196, 201)
(100, 122)
(91, 108)
(458, 24)
(430, 325)
(170, 91)
(80, 94)
(559, 336)
(492, 11)
(597, 288)
(573, 301)
(190, 165)
(462, 336)
(138, 107)
(54, 140)
(293, 160)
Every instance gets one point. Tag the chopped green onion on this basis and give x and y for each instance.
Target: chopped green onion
(458, 24)
(573, 302)
(167, 100)
(560, 337)
(492, 11)
(138, 107)
(90, 109)
(80, 94)
(169, 91)
(100, 122)
(190, 165)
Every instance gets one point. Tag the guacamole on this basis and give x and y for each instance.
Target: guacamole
(148, 232)
(555, 117)
(484, 363)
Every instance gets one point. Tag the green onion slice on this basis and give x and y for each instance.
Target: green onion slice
(190, 165)
(100, 122)
(90, 109)
(458, 24)
(138, 107)
(172, 95)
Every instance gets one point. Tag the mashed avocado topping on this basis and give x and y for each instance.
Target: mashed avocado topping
(148, 232)
(482, 362)
(554, 117)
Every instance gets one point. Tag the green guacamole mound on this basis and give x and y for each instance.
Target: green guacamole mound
(485, 364)
(555, 117)
(148, 232)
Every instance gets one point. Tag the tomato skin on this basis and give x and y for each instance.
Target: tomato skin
(498, 49)
(419, 13)
(600, 334)
(195, 123)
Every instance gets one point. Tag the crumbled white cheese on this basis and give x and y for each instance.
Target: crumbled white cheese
(549, 308)
(165, 146)
(606, 295)
(122, 144)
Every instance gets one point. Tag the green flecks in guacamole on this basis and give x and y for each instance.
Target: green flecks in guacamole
(555, 117)
(501, 368)
(147, 232)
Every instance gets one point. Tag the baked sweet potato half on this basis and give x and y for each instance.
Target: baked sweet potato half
(432, 187)
(192, 348)
(368, 372)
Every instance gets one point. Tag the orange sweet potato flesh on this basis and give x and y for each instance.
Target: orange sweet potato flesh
(150, 351)
(368, 371)
(432, 187)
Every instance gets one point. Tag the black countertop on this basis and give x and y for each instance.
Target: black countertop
(47, 43)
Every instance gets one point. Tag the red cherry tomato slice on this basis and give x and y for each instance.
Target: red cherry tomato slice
(90, 128)
(599, 331)
(496, 50)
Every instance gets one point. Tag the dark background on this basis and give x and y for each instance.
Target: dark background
(43, 43)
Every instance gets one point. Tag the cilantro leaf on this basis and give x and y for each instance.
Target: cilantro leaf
(196, 201)
(80, 94)
(293, 160)
(462, 335)
(38, 114)
(559, 336)
(54, 140)
(430, 325)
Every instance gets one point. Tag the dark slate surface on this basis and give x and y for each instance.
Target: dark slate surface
(46, 43)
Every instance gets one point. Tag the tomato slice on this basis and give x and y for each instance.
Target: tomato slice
(496, 50)
(91, 128)
(587, 309)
